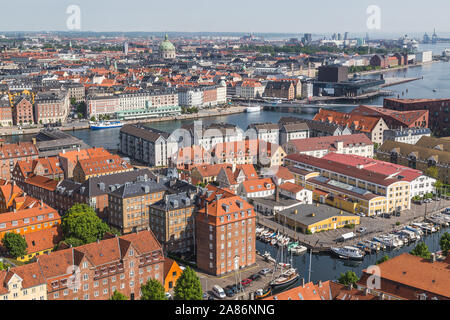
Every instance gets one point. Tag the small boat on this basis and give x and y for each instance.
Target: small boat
(434, 90)
(297, 249)
(348, 252)
(287, 278)
(105, 125)
(268, 257)
(253, 109)
(263, 293)
(427, 227)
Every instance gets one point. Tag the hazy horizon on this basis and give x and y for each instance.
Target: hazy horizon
(250, 16)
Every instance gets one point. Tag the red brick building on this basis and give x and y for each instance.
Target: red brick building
(10, 153)
(22, 111)
(94, 271)
(395, 119)
(225, 231)
(438, 111)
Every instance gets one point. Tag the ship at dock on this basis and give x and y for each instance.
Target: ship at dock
(105, 125)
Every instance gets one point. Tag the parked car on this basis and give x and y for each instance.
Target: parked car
(237, 288)
(218, 292)
(265, 271)
(230, 293)
(246, 282)
(255, 277)
(361, 230)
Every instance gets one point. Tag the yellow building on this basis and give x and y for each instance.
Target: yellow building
(309, 218)
(23, 283)
(41, 242)
(337, 195)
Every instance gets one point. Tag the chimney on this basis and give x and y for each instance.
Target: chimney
(350, 286)
(277, 194)
(433, 257)
(320, 283)
(303, 282)
(233, 168)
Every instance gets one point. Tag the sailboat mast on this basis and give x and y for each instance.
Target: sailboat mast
(310, 258)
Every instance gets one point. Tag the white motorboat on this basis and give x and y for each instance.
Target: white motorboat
(348, 252)
(253, 109)
(298, 249)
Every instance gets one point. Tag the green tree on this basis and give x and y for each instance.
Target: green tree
(15, 244)
(347, 278)
(73, 101)
(118, 296)
(188, 286)
(81, 222)
(432, 172)
(93, 119)
(385, 258)
(445, 243)
(4, 265)
(421, 250)
(153, 290)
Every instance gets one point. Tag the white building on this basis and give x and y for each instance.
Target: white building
(268, 132)
(424, 57)
(293, 191)
(408, 135)
(192, 97)
(250, 89)
(422, 185)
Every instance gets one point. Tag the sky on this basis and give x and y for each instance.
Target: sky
(249, 16)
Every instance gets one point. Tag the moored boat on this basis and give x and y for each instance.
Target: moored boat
(105, 125)
(348, 252)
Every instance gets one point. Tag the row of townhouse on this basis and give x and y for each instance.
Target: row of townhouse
(203, 96)
(89, 272)
(124, 105)
(293, 128)
(358, 184)
(41, 107)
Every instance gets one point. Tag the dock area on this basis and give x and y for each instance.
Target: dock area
(83, 125)
(323, 241)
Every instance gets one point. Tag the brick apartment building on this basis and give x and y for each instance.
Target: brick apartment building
(438, 111)
(22, 111)
(129, 204)
(280, 89)
(10, 153)
(395, 119)
(172, 221)
(94, 271)
(225, 231)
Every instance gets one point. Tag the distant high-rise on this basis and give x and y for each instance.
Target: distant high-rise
(426, 38)
(125, 48)
(339, 36)
(345, 35)
(307, 38)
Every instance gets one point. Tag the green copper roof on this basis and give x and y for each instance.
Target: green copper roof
(166, 45)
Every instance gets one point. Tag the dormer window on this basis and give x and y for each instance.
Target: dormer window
(131, 252)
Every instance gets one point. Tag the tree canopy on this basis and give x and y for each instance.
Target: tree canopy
(421, 250)
(347, 278)
(383, 259)
(188, 286)
(81, 225)
(118, 296)
(153, 290)
(15, 244)
(444, 242)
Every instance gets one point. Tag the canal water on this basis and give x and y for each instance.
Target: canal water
(326, 267)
